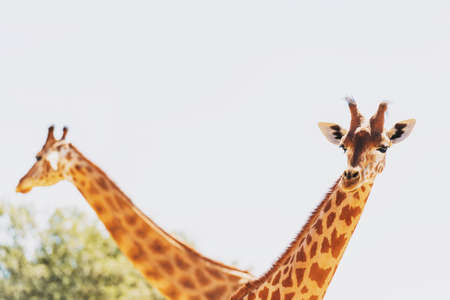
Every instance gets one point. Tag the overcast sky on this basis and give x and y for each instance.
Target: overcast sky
(206, 114)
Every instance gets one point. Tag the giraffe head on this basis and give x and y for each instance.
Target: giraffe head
(49, 167)
(365, 143)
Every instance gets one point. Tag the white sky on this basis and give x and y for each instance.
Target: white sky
(206, 114)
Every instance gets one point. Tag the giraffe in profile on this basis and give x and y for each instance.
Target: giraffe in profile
(306, 268)
(175, 269)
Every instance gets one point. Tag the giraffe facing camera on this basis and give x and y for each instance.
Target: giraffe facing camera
(306, 268)
(365, 143)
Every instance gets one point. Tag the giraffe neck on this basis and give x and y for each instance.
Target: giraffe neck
(305, 270)
(175, 269)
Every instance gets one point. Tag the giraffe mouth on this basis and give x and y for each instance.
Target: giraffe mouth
(23, 186)
(350, 184)
(23, 190)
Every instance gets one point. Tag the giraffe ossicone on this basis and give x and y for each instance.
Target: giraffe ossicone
(175, 269)
(306, 268)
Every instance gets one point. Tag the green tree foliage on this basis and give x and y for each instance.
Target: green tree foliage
(67, 258)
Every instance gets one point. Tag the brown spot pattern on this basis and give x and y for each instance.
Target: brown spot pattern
(299, 273)
(301, 256)
(131, 219)
(157, 246)
(308, 239)
(313, 250)
(275, 295)
(348, 213)
(304, 290)
(201, 277)
(216, 293)
(115, 228)
(183, 265)
(102, 183)
(337, 243)
(340, 196)
(141, 232)
(153, 274)
(318, 226)
(264, 293)
(318, 274)
(325, 245)
(327, 207)
(136, 253)
(187, 283)
(166, 266)
(330, 219)
(171, 292)
(99, 208)
(79, 169)
(287, 282)
(289, 296)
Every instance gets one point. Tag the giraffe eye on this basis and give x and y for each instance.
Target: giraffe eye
(382, 149)
(38, 157)
(343, 148)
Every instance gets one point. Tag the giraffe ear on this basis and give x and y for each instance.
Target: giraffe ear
(333, 132)
(401, 130)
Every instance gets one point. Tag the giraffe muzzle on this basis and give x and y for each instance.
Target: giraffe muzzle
(21, 188)
(351, 179)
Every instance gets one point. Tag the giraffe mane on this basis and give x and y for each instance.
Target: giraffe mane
(255, 284)
(147, 219)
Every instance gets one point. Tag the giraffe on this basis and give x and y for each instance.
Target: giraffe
(306, 268)
(175, 269)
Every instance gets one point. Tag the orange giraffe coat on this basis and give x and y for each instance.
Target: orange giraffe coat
(175, 269)
(306, 268)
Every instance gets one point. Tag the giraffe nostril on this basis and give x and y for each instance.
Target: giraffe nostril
(349, 174)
